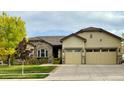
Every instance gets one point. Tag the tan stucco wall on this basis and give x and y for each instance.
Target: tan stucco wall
(73, 42)
(107, 40)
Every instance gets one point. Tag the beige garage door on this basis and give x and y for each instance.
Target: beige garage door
(73, 56)
(105, 56)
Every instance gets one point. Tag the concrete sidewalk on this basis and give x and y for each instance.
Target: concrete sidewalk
(87, 72)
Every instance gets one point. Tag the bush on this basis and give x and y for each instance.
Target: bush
(3, 59)
(13, 61)
(36, 61)
(44, 60)
(57, 61)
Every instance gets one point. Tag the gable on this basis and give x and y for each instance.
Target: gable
(73, 42)
(94, 29)
(73, 35)
(100, 39)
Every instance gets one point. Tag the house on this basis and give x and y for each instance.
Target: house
(88, 46)
(47, 46)
(91, 46)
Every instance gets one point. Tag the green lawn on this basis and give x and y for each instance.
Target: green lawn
(27, 69)
(25, 76)
(30, 71)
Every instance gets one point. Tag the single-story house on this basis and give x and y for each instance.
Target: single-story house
(88, 46)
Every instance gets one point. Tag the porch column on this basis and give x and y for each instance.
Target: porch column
(63, 56)
(59, 53)
(83, 54)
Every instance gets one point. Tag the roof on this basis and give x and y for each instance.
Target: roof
(72, 35)
(93, 29)
(52, 40)
(31, 44)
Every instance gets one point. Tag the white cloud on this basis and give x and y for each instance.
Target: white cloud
(39, 22)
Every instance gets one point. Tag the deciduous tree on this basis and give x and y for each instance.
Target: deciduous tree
(12, 31)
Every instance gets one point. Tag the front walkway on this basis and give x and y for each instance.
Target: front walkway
(87, 72)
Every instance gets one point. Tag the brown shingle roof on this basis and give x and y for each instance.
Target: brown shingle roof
(53, 40)
(93, 29)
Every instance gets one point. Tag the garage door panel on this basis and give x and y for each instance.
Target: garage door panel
(101, 58)
(108, 58)
(73, 58)
(92, 58)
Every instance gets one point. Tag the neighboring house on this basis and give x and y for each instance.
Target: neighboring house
(47, 46)
(91, 46)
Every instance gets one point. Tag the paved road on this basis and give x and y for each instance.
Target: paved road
(88, 72)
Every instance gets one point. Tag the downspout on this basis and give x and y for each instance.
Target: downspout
(84, 52)
(82, 56)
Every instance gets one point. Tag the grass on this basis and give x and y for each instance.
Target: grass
(25, 76)
(30, 72)
(27, 69)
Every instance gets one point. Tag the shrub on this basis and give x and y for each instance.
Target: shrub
(3, 59)
(13, 61)
(36, 61)
(44, 60)
(57, 61)
(31, 61)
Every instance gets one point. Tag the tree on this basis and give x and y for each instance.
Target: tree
(12, 31)
(22, 53)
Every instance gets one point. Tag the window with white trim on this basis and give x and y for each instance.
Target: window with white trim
(38, 53)
(42, 53)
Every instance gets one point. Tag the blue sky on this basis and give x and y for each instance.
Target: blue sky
(49, 23)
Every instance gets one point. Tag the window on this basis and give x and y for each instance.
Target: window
(38, 53)
(73, 50)
(92, 50)
(88, 50)
(77, 50)
(104, 50)
(91, 36)
(112, 50)
(42, 53)
(96, 50)
(69, 50)
(46, 53)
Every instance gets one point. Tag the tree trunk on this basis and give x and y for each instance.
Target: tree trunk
(8, 60)
(23, 67)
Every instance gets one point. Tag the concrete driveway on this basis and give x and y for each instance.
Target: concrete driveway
(88, 72)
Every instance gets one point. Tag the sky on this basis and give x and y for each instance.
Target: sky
(48, 23)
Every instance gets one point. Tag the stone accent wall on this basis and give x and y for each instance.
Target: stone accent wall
(43, 45)
(30, 48)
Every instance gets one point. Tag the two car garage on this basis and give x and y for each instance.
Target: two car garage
(92, 46)
(91, 56)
